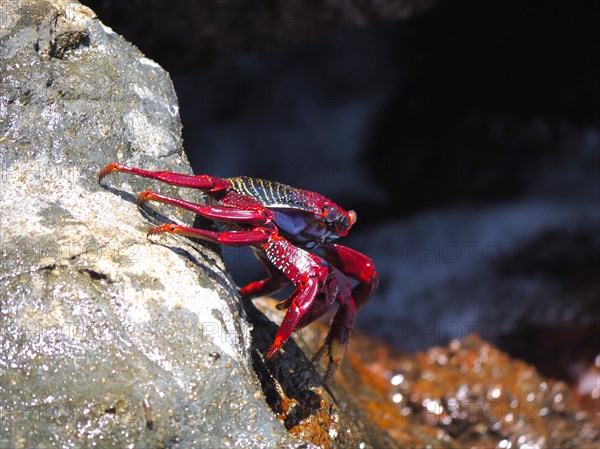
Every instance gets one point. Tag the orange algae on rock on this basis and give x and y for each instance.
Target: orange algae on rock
(468, 394)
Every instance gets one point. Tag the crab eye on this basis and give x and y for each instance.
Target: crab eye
(330, 214)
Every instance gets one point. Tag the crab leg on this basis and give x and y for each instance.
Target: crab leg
(255, 236)
(271, 284)
(338, 336)
(205, 183)
(355, 265)
(220, 213)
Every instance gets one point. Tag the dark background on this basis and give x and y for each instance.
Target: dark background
(466, 136)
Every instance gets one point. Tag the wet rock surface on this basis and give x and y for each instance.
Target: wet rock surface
(467, 394)
(107, 339)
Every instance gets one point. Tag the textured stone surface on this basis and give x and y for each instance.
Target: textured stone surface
(106, 339)
(466, 394)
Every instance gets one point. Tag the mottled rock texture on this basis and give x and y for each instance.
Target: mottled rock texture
(107, 339)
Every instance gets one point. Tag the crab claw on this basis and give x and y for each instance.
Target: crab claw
(290, 321)
(297, 305)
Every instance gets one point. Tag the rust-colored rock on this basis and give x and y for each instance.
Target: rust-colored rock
(467, 394)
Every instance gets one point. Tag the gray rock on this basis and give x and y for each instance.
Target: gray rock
(107, 339)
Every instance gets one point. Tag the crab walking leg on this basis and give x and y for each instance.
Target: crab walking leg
(255, 236)
(338, 336)
(274, 282)
(205, 183)
(338, 288)
(254, 217)
(357, 266)
(271, 284)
